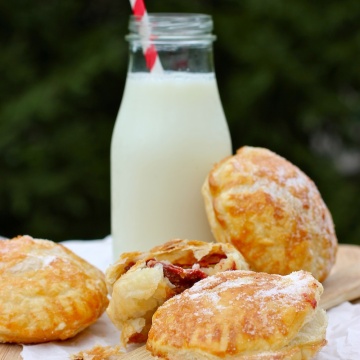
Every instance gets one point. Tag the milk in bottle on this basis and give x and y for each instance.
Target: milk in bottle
(169, 132)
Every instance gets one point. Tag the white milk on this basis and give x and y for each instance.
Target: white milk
(169, 132)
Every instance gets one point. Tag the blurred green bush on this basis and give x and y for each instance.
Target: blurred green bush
(288, 74)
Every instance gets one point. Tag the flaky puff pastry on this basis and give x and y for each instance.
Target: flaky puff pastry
(242, 315)
(47, 292)
(140, 282)
(271, 212)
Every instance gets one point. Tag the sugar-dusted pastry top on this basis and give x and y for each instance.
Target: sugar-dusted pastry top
(271, 212)
(242, 315)
(47, 292)
(140, 282)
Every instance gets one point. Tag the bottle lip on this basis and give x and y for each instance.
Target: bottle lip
(173, 26)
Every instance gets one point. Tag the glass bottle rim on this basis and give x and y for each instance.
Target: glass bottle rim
(173, 26)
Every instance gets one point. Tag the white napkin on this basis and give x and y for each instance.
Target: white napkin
(103, 332)
(96, 252)
(343, 331)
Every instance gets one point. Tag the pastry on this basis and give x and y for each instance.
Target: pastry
(271, 212)
(99, 352)
(242, 315)
(47, 292)
(140, 282)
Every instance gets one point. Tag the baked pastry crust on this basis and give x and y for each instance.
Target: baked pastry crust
(242, 315)
(271, 212)
(99, 352)
(47, 292)
(140, 282)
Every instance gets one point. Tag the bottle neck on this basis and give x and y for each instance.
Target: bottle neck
(184, 43)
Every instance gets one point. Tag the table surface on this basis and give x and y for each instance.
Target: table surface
(342, 285)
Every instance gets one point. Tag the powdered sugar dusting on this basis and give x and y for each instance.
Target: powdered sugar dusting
(293, 288)
(47, 260)
(33, 263)
(211, 296)
(250, 290)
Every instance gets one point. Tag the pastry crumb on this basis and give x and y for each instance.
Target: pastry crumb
(99, 352)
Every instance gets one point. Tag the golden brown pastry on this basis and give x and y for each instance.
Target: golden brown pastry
(99, 352)
(47, 292)
(271, 212)
(242, 315)
(140, 282)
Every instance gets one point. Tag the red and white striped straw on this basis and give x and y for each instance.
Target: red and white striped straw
(149, 49)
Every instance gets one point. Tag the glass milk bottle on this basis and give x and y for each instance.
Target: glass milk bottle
(169, 132)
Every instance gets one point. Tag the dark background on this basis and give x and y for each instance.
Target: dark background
(288, 75)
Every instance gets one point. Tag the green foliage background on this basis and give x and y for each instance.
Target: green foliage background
(288, 74)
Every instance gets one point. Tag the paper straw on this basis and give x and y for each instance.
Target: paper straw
(151, 55)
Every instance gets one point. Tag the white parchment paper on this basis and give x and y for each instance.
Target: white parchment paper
(343, 333)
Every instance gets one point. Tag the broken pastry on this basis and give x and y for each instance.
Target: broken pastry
(140, 282)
